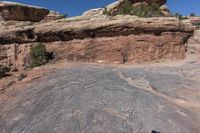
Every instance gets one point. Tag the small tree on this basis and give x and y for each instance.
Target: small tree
(64, 15)
(192, 14)
(151, 10)
(178, 15)
(2, 73)
(38, 55)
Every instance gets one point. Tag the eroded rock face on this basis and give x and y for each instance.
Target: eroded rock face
(103, 39)
(20, 12)
(105, 99)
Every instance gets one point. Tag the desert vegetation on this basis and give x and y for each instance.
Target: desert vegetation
(140, 11)
(192, 14)
(39, 55)
(2, 73)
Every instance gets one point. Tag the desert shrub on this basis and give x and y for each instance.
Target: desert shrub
(107, 13)
(179, 16)
(3, 71)
(140, 11)
(196, 24)
(192, 14)
(39, 55)
(64, 15)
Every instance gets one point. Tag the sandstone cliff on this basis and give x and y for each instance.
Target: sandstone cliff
(16, 11)
(85, 97)
(21, 12)
(103, 39)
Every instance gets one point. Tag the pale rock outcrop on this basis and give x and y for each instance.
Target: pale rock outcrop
(114, 6)
(165, 10)
(139, 4)
(20, 12)
(94, 12)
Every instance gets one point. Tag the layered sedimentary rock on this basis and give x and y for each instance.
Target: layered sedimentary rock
(20, 12)
(102, 39)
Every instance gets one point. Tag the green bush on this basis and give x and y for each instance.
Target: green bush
(179, 16)
(2, 73)
(39, 55)
(140, 11)
(196, 24)
(192, 14)
(64, 15)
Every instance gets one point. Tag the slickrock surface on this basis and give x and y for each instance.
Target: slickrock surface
(102, 99)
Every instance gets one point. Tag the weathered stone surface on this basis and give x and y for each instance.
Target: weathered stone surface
(165, 10)
(83, 27)
(94, 12)
(20, 12)
(105, 99)
(114, 6)
(103, 39)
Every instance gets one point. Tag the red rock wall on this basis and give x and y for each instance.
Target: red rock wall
(120, 49)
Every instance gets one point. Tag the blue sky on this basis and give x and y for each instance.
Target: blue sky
(76, 7)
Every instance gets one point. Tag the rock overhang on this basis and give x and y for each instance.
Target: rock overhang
(21, 12)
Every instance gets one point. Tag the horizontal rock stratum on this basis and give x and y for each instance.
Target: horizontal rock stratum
(98, 39)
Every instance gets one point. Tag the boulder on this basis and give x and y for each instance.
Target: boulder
(165, 10)
(114, 6)
(139, 4)
(94, 12)
(20, 12)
